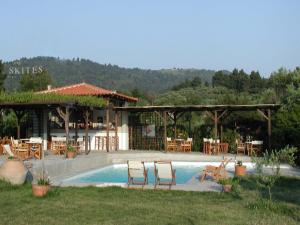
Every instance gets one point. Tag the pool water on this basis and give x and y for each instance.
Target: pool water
(118, 173)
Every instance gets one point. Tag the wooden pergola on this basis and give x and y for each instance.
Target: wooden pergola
(63, 109)
(216, 112)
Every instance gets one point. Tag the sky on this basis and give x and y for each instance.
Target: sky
(261, 35)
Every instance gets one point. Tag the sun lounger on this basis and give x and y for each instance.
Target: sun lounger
(216, 172)
(164, 174)
(137, 173)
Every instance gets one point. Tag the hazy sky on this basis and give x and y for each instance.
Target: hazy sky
(254, 34)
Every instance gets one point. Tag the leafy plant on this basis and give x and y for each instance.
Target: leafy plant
(273, 159)
(239, 163)
(226, 181)
(43, 181)
(31, 97)
(230, 137)
(11, 158)
(43, 178)
(70, 148)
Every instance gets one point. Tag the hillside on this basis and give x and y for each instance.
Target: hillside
(106, 75)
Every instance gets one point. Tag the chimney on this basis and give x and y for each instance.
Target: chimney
(49, 87)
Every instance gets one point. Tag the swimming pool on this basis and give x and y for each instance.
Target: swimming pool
(117, 173)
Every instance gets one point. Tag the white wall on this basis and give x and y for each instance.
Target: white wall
(123, 133)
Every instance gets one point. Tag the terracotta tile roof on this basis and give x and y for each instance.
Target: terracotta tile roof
(88, 89)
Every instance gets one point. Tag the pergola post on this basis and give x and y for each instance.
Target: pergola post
(165, 129)
(76, 128)
(190, 118)
(269, 129)
(216, 124)
(221, 133)
(107, 125)
(86, 115)
(116, 131)
(175, 125)
(267, 116)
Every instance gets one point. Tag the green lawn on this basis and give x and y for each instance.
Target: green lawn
(92, 205)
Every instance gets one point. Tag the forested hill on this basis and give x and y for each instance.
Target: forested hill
(106, 75)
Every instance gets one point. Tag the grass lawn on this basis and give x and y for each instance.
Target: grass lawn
(113, 205)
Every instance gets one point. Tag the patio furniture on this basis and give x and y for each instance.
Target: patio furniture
(215, 144)
(240, 147)
(172, 146)
(186, 146)
(20, 149)
(164, 173)
(137, 173)
(224, 147)
(216, 172)
(99, 142)
(80, 144)
(3, 141)
(58, 145)
(255, 147)
(35, 147)
(8, 150)
(206, 146)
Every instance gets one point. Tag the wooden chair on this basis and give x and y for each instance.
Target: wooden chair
(216, 172)
(58, 145)
(35, 147)
(171, 146)
(255, 148)
(137, 173)
(207, 148)
(186, 146)
(81, 144)
(164, 173)
(240, 147)
(21, 150)
(224, 148)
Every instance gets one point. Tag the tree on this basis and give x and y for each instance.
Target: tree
(220, 79)
(239, 80)
(35, 82)
(2, 76)
(256, 83)
(273, 159)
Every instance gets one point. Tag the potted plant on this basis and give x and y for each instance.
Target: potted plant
(240, 170)
(13, 170)
(226, 184)
(71, 152)
(42, 186)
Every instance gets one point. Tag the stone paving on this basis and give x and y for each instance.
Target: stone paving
(59, 168)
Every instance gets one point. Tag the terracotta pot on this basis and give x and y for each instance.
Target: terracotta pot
(13, 171)
(227, 187)
(240, 171)
(71, 155)
(40, 190)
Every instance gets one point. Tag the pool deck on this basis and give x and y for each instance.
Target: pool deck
(59, 168)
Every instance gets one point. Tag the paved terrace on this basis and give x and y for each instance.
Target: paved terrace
(59, 168)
